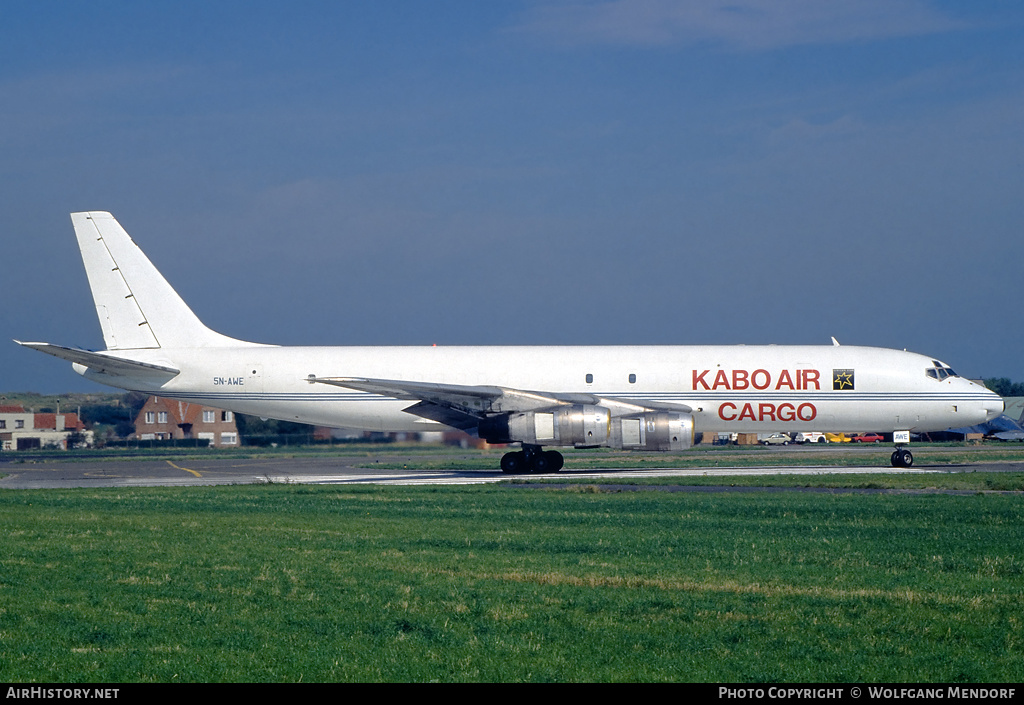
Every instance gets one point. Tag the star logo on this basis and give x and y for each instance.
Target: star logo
(842, 379)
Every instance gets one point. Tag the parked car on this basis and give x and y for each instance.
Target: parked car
(868, 438)
(810, 437)
(837, 438)
(775, 439)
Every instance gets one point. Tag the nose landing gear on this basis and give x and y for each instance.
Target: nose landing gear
(901, 458)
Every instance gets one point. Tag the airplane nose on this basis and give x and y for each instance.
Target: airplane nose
(993, 406)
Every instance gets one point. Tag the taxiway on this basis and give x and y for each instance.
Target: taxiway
(45, 473)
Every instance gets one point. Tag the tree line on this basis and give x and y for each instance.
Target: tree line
(1004, 387)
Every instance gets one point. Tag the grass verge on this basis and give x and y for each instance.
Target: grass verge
(298, 583)
(976, 481)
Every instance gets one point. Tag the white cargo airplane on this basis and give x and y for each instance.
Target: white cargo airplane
(630, 397)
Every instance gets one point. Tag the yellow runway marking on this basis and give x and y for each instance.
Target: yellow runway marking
(176, 467)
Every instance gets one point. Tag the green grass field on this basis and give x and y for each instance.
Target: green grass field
(977, 481)
(499, 583)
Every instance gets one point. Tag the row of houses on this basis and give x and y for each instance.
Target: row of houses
(159, 419)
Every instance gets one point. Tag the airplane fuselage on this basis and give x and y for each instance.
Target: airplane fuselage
(729, 388)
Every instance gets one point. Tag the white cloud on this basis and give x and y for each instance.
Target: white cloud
(743, 24)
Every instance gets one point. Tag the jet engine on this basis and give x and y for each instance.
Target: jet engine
(653, 431)
(577, 425)
(584, 425)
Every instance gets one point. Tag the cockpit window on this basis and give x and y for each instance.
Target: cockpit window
(940, 371)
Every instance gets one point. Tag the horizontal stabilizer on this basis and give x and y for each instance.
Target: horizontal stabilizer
(102, 363)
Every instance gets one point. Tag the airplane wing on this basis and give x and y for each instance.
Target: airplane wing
(463, 406)
(103, 364)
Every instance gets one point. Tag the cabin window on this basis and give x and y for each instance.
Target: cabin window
(590, 378)
(632, 378)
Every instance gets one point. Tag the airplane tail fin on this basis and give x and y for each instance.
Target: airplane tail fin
(136, 306)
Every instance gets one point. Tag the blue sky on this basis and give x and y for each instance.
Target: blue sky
(463, 172)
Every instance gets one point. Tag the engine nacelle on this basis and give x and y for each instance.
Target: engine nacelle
(576, 425)
(653, 431)
(584, 425)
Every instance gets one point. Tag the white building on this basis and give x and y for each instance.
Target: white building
(25, 430)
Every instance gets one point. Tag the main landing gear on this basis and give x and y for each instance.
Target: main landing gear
(901, 458)
(531, 459)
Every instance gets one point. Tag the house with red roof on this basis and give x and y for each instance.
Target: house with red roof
(164, 419)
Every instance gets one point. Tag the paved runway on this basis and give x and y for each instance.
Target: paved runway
(43, 473)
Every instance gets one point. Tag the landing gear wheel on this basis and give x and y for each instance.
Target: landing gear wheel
(901, 458)
(548, 461)
(558, 460)
(514, 463)
(541, 463)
